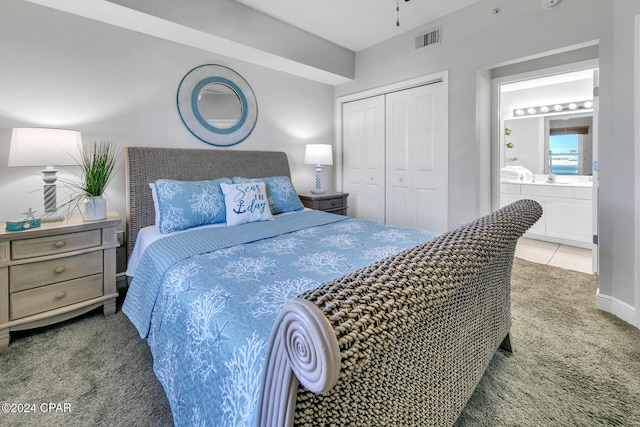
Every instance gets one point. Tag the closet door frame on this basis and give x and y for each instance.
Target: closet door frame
(441, 77)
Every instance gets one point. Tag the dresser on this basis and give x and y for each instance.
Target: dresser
(55, 272)
(330, 201)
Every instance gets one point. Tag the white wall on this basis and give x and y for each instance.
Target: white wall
(474, 40)
(60, 70)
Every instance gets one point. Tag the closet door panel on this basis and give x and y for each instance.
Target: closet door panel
(363, 158)
(425, 156)
(400, 211)
(416, 150)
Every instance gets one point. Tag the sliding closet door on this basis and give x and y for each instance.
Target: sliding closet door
(363, 137)
(417, 158)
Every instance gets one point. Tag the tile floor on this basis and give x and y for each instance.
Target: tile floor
(562, 256)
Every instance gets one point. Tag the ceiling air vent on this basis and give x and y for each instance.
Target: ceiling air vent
(430, 38)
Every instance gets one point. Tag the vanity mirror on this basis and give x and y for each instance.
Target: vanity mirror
(217, 105)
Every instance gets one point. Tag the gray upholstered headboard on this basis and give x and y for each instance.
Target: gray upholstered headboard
(144, 165)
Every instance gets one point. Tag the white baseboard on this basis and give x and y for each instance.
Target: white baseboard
(616, 307)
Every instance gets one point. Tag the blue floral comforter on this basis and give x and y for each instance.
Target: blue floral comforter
(206, 301)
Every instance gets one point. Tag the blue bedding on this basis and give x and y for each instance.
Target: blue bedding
(206, 301)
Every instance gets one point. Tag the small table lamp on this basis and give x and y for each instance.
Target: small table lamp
(318, 154)
(49, 148)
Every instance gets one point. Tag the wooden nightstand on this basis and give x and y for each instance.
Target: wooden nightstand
(331, 201)
(55, 272)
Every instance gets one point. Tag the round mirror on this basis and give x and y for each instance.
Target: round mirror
(217, 105)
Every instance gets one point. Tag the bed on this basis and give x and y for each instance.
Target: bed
(310, 318)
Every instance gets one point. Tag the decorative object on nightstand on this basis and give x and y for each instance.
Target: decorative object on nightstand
(49, 148)
(318, 154)
(97, 163)
(330, 201)
(57, 271)
(30, 221)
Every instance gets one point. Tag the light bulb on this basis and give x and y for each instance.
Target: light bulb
(573, 106)
(519, 112)
(531, 110)
(588, 104)
(557, 107)
(544, 109)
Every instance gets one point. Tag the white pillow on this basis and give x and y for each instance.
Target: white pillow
(154, 196)
(246, 202)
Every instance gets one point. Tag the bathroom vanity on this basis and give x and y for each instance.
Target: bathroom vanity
(567, 208)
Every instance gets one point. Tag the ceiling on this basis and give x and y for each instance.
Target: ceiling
(356, 24)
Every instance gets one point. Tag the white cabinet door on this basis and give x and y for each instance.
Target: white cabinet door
(417, 158)
(363, 157)
(569, 219)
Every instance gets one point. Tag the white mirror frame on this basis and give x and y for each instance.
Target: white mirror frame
(187, 99)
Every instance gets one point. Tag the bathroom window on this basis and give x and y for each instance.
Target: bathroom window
(563, 154)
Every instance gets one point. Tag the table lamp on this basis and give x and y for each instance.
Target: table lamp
(48, 148)
(318, 154)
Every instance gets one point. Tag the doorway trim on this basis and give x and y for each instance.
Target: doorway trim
(637, 170)
(495, 113)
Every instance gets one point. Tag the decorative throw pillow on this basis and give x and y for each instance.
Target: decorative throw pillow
(246, 202)
(186, 204)
(280, 192)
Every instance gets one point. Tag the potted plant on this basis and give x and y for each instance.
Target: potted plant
(97, 164)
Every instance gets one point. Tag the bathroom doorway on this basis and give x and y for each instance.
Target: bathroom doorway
(545, 139)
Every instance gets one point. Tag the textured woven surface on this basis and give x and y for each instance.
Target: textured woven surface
(144, 165)
(417, 330)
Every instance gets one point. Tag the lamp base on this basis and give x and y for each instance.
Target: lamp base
(51, 217)
(318, 191)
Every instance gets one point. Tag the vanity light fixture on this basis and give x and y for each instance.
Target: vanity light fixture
(553, 108)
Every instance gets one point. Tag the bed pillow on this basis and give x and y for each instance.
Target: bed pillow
(154, 196)
(186, 204)
(246, 202)
(280, 192)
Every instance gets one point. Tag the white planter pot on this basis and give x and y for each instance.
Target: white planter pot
(94, 208)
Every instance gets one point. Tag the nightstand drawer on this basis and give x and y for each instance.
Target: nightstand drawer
(45, 298)
(27, 276)
(40, 246)
(329, 204)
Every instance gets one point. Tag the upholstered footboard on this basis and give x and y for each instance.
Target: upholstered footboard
(402, 342)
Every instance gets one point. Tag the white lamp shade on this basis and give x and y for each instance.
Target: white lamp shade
(318, 154)
(44, 147)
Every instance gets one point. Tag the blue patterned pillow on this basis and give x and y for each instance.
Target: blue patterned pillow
(186, 204)
(280, 191)
(246, 202)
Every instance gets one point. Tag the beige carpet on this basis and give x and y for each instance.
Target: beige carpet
(573, 366)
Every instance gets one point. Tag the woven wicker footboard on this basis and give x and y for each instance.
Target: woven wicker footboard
(402, 342)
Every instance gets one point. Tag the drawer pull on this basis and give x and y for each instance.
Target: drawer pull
(60, 295)
(59, 269)
(59, 244)
(333, 203)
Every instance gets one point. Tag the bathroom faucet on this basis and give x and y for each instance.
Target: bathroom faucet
(551, 179)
